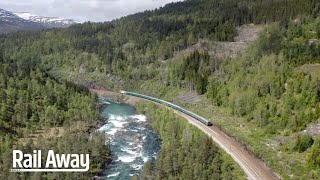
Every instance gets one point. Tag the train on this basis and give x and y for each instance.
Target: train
(176, 107)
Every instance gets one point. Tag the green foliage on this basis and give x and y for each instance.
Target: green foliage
(191, 72)
(302, 43)
(270, 41)
(31, 99)
(314, 157)
(263, 87)
(303, 143)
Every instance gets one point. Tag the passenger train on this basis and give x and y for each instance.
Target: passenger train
(178, 108)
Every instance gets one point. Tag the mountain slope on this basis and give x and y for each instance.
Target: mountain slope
(10, 22)
(49, 22)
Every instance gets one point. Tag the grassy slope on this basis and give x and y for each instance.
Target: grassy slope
(312, 69)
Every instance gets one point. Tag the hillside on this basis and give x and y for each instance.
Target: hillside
(261, 92)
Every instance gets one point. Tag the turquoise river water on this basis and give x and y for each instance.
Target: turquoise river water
(132, 140)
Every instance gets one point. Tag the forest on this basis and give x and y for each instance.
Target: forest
(31, 101)
(264, 87)
(123, 46)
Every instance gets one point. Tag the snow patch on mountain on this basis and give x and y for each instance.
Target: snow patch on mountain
(9, 16)
(46, 21)
(9, 22)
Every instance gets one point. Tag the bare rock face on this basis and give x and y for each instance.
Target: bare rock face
(82, 69)
(248, 33)
(313, 129)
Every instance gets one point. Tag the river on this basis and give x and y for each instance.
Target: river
(132, 140)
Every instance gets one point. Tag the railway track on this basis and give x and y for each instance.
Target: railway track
(251, 165)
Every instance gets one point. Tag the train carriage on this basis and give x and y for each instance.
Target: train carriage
(176, 107)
